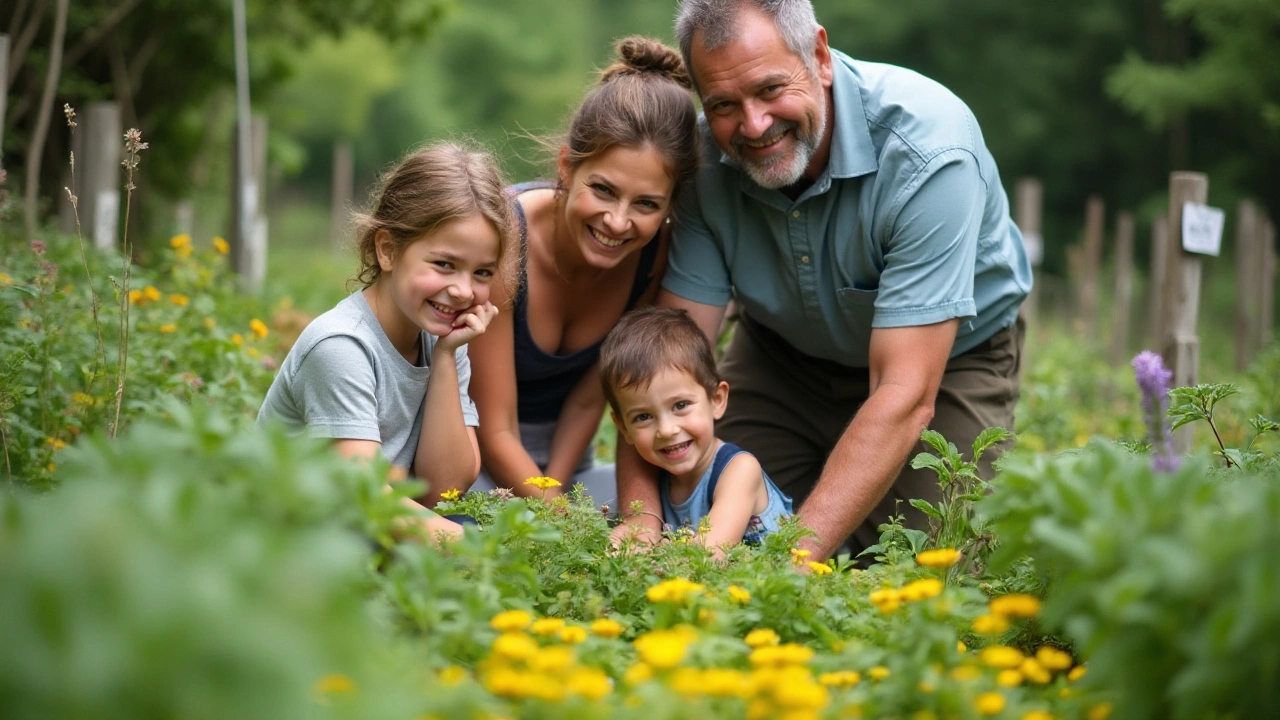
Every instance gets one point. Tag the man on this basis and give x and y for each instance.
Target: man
(854, 212)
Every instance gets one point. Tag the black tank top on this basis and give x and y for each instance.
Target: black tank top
(543, 380)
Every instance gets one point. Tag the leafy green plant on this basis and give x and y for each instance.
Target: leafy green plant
(1192, 404)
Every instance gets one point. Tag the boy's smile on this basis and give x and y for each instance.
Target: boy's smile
(671, 422)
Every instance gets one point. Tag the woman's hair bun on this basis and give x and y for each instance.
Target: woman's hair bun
(637, 55)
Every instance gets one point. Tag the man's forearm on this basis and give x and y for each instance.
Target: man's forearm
(637, 481)
(863, 465)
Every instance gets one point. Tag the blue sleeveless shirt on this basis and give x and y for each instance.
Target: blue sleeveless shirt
(543, 379)
(698, 505)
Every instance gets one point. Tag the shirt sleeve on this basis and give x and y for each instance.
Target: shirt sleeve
(696, 267)
(335, 387)
(932, 245)
(470, 417)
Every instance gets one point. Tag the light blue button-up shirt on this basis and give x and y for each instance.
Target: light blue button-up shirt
(907, 225)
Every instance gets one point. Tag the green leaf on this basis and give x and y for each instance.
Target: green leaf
(987, 438)
(933, 462)
(925, 507)
(934, 439)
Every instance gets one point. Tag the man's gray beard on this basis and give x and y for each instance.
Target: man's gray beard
(770, 176)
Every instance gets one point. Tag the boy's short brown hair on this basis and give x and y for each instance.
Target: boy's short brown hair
(649, 340)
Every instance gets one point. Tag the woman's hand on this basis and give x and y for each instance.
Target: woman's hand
(469, 325)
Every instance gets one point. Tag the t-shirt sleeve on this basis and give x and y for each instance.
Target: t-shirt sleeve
(335, 387)
(470, 416)
(696, 266)
(932, 245)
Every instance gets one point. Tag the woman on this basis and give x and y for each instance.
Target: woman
(595, 245)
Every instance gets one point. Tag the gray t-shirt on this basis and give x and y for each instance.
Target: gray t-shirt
(344, 379)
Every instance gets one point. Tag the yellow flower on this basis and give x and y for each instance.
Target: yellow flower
(841, 679)
(183, 252)
(637, 674)
(589, 683)
(210, 323)
(258, 328)
(547, 626)
(452, 675)
(1076, 673)
(51, 467)
(798, 556)
(662, 649)
(966, 673)
(801, 695)
(990, 624)
(1034, 671)
(1037, 715)
(168, 328)
(510, 621)
(335, 683)
(221, 246)
(514, 646)
(180, 241)
(989, 703)
(80, 398)
(774, 655)
(5, 280)
(886, 599)
(252, 352)
(1017, 605)
(921, 590)
(604, 627)
(451, 495)
(1001, 656)
(179, 299)
(739, 595)
(236, 339)
(136, 297)
(1101, 711)
(1052, 658)
(542, 482)
(961, 647)
(1009, 678)
(573, 634)
(676, 591)
(552, 659)
(878, 672)
(151, 293)
(55, 443)
(939, 559)
(819, 568)
(723, 682)
(760, 637)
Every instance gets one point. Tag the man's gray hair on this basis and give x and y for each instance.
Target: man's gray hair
(717, 20)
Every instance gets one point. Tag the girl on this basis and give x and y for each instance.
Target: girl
(386, 370)
(594, 247)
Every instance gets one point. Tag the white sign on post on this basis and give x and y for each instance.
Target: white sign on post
(1202, 228)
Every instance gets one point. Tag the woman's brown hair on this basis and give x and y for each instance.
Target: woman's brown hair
(642, 99)
(429, 188)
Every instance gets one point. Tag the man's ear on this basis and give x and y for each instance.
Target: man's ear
(622, 429)
(822, 58)
(720, 400)
(385, 249)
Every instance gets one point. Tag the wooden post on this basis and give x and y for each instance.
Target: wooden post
(100, 178)
(1028, 203)
(1087, 310)
(1155, 311)
(1123, 300)
(184, 217)
(249, 223)
(1181, 346)
(1266, 313)
(343, 189)
(1248, 251)
(4, 88)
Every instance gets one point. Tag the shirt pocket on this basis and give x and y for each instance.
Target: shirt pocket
(856, 300)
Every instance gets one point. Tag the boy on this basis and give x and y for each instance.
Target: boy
(659, 376)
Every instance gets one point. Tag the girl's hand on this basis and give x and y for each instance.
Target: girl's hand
(470, 325)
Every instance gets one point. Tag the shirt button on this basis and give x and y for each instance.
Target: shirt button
(795, 213)
(804, 259)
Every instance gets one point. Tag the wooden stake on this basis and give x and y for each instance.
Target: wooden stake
(4, 88)
(249, 226)
(343, 189)
(1028, 203)
(1123, 300)
(1155, 310)
(100, 177)
(1087, 310)
(1248, 252)
(1266, 313)
(1181, 346)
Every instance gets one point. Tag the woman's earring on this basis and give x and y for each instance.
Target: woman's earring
(667, 221)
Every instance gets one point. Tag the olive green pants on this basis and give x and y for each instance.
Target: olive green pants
(790, 409)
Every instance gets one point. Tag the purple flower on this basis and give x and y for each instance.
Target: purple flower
(1154, 382)
(37, 247)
